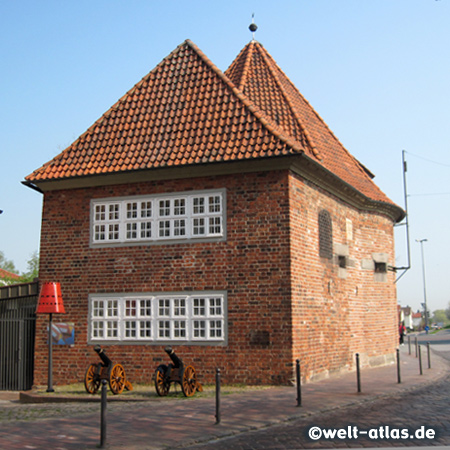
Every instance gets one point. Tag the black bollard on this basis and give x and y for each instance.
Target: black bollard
(429, 355)
(416, 348)
(217, 396)
(409, 344)
(399, 378)
(103, 415)
(299, 383)
(420, 360)
(358, 374)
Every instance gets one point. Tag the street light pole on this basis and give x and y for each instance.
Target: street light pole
(421, 241)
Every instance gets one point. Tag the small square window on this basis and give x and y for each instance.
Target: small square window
(380, 267)
(342, 261)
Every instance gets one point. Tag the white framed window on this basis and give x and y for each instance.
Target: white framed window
(183, 216)
(193, 318)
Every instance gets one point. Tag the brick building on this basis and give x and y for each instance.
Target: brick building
(218, 213)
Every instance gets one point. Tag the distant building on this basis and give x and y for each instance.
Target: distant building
(417, 319)
(405, 315)
(7, 277)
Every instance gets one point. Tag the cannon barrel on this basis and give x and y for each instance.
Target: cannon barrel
(106, 361)
(177, 362)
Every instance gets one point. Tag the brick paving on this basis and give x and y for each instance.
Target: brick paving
(257, 420)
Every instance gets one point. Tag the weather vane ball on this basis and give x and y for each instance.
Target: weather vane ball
(253, 27)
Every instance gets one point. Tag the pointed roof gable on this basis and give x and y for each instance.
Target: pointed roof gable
(186, 112)
(262, 81)
(183, 112)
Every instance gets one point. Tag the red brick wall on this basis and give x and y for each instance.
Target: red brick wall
(252, 266)
(335, 317)
(328, 320)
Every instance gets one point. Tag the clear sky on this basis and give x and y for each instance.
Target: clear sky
(377, 72)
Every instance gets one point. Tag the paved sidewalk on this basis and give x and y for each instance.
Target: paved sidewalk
(161, 423)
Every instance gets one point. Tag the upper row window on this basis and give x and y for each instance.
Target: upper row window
(153, 218)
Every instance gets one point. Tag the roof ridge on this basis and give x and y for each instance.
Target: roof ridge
(360, 166)
(262, 118)
(268, 59)
(246, 66)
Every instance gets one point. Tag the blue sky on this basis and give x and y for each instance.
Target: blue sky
(376, 71)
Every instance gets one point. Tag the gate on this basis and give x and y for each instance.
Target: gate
(17, 330)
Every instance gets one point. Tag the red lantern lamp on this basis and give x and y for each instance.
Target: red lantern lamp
(50, 299)
(50, 302)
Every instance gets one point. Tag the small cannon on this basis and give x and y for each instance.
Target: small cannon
(176, 372)
(106, 370)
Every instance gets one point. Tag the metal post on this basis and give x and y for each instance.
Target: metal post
(217, 396)
(429, 355)
(103, 415)
(50, 356)
(417, 351)
(299, 383)
(420, 360)
(409, 344)
(358, 375)
(425, 307)
(399, 378)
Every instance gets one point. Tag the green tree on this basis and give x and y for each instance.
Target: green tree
(6, 264)
(33, 269)
(447, 311)
(439, 315)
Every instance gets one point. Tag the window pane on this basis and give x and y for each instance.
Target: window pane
(179, 308)
(145, 329)
(199, 329)
(146, 209)
(199, 227)
(214, 204)
(164, 329)
(146, 230)
(179, 227)
(113, 212)
(130, 308)
(164, 228)
(199, 306)
(131, 230)
(100, 212)
(164, 307)
(179, 329)
(132, 210)
(164, 208)
(130, 329)
(179, 206)
(145, 308)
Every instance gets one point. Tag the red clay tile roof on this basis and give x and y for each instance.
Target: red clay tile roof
(183, 112)
(262, 81)
(187, 112)
(4, 274)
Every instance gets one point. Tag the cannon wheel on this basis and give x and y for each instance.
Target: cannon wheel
(91, 379)
(117, 379)
(189, 381)
(161, 385)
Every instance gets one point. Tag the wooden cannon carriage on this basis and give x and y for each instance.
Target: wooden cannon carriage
(176, 372)
(106, 370)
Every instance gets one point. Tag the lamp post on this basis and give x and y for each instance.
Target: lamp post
(51, 302)
(421, 241)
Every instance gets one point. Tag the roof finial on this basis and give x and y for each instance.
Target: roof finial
(253, 27)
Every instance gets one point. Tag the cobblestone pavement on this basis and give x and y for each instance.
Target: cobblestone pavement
(428, 407)
(258, 420)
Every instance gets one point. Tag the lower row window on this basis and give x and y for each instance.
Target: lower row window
(158, 318)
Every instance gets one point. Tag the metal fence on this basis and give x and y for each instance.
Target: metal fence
(17, 332)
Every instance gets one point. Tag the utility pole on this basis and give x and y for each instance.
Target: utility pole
(421, 241)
